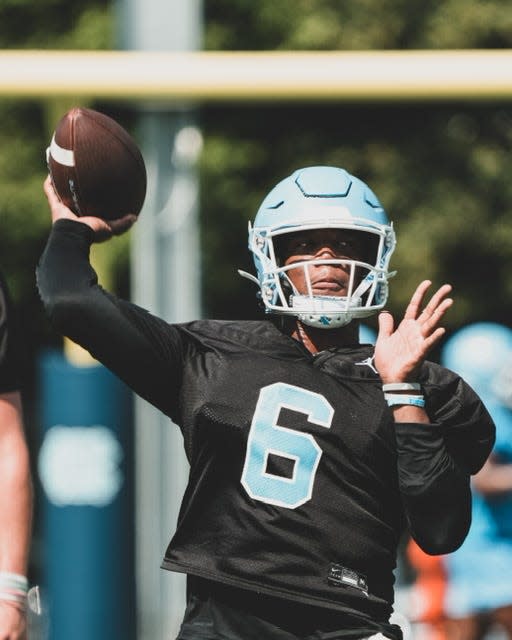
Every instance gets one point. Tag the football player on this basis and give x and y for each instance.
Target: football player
(479, 590)
(309, 452)
(15, 483)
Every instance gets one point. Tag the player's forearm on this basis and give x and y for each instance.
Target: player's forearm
(16, 484)
(16, 510)
(131, 342)
(77, 306)
(64, 275)
(435, 489)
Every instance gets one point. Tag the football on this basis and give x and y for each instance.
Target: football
(95, 165)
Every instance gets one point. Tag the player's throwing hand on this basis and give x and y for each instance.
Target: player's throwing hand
(103, 229)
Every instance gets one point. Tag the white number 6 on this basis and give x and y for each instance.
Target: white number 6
(267, 437)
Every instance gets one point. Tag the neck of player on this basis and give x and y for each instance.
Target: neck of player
(316, 340)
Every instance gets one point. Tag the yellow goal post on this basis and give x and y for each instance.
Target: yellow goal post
(206, 76)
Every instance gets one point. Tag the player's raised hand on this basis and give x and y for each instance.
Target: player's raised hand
(399, 352)
(103, 229)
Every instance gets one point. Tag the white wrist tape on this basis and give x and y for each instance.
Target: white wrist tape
(13, 587)
(401, 386)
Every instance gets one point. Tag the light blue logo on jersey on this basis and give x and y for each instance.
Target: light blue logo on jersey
(267, 438)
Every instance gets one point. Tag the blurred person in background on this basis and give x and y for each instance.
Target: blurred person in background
(425, 605)
(478, 598)
(309, 452)
(15, 483)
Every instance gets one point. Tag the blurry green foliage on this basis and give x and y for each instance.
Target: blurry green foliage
(357, 24)
(442, 171)
(442, 174)
(25, 132)
(56, 24)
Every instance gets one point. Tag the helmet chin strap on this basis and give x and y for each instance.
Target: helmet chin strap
(325, 322)
(330, 312)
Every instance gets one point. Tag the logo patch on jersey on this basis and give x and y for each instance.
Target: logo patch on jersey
(339, 576)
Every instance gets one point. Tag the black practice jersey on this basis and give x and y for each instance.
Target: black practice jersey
(9, 357)
(300, 482)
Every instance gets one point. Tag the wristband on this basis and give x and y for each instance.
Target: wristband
(401, 386)
(14, 581)
(397, 399)
(13, 588)
(19, 600)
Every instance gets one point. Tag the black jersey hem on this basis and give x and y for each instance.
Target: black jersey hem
(374, 623)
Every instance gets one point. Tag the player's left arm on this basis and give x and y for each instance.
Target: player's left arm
(15, 516)
(434, 479)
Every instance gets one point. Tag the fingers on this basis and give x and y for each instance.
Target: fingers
(48, 187)
(50, 192)
(386, 324)
(103, 229)
(435, 309)
(433, 338)
(120, 225)
(414, 306)
(428, 320)
(58, 209)
(437, 301)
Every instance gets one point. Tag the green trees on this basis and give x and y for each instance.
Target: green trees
(441, 170)
(25, 127)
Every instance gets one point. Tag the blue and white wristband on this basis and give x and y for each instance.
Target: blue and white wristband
(397, 399)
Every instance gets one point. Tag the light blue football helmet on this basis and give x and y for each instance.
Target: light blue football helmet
(320, 198)
(481, 353)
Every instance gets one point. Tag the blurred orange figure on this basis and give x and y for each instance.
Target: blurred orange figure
(428, 594)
